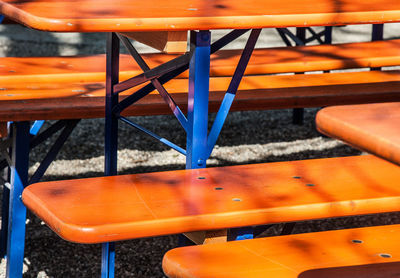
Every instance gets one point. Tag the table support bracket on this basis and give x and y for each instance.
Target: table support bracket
(231, 92)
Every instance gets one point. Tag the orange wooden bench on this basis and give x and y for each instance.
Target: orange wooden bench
(125, 207)
(73, 87)
(370, 127)
(352, 253)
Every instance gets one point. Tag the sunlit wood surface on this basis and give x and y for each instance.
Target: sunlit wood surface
(134, 206)
(371, 252)
(36, 88)
(374, 128)
(173, 15)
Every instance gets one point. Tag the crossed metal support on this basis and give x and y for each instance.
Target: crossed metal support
(199, 143)
(13, 211)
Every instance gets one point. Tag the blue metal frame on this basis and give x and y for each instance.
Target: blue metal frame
(23, 141)
(377, 32)
(111, 138)
(199, 75)
(152, 134)
(37, 125)
(54, 150)
(17, 210)
(231, 92)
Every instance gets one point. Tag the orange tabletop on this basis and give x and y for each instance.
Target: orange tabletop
(172, 15)
(370, 127)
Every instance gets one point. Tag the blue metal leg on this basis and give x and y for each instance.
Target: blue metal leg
(328, 35)
(298, 113)
(17, 210)
(111, 138)
(241, 233)
(377, 32)
(199, 74)
(37, 125)
(107, 260)
(5, 205)
(197, 115)
(4, 218)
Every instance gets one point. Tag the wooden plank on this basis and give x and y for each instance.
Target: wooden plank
(166, 41)
(63, 100)
(31, 87)
(372, 127)
(126, 206)
(178, 15)
(208, 237)
(223, 63)
(353, 253)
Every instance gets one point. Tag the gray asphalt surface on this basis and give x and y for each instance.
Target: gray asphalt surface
(248, 137)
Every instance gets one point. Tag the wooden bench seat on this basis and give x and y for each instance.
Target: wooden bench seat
(65, 100)
(223, 62)
(73, 87)
(370, 127)
(353, 253)
(116, 208)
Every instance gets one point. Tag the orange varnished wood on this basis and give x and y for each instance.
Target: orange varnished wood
(172, 15)
(31, 88)
(223, 63)
(61, 100)
(134, 206)
(331, 254)
(165, 41)
(373, 127)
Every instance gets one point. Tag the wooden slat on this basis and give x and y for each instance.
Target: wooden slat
(63, 100)
(223, 63)
(176, 15)
(372, 127)
(354, 253)
(31, 87)
(166, 41)
(143, 205)
(208, 237)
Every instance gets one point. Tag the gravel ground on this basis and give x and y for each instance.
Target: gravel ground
(248, 137)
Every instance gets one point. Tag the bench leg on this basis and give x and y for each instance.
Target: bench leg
(199, 75)
(377, 32)
(111, 139)
(17, 210)
(4, 218)
(107, 260)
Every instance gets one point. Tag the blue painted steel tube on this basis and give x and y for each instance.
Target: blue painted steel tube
(4, 221)
(5, 204)
(155, 136)
(54, 150)
(37, 125)
(111, 138)
(199, 74)
(17, 210)
(377, 32)
(107, 260)
(231, 92)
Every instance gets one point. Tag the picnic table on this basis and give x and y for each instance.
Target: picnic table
(199, 17)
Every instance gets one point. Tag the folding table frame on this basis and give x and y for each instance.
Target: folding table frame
(199, 145)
